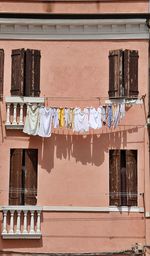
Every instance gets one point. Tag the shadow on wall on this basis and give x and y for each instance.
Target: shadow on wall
(88, 149)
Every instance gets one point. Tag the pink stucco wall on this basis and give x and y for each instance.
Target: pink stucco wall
(72, 7)
(73, 170)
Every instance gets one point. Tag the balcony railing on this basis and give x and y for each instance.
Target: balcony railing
(21, 222)
(16, 110)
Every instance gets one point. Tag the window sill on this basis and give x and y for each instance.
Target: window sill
(126, 209)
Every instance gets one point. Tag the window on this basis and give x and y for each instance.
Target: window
(123, 177)
(123, 74)
(23, 176)
(25, 76)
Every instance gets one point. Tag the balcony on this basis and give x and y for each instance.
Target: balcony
(21, 222)
(16, 110)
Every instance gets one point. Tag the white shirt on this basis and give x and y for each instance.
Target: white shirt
(32, 120)
(81, 123)
(93, 118)
(45, 122)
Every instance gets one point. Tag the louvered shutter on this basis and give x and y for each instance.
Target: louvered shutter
(1, 73)
(115, 74)
(123, 186)
(114, 177)
(133, 90)
(131, 171)
(15, 184)
(131, 73)
(31, 157)
(32, 71)
(126, 72)
(17, 74)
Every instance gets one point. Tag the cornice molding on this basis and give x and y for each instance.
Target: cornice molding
(71, 29)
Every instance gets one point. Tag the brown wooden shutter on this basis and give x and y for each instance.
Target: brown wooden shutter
(115, 74)
(1, 73)
(131, 73)
(126, 72)
(114, 177)
(17, 74)
(31, 159)
(32, 71)
(131, 170)
(15, 184)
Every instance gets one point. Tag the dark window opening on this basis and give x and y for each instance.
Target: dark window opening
(123, 177)
(123, 74)
(25, 74)
(23, 177)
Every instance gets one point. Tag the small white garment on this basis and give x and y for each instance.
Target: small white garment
(31, 125)
(93, 118)
(103, 112)
(81, 123)
(55, 118)
(100, 111)
(67, 113)
(122, 110)
(117, 116)
(45, 127)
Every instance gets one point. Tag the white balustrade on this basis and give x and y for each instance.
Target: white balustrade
(8, 114)
(32, 223)
(15, 109)
(38, 230)
(21, 222)
(4, 222)
(11, 231)
(15, 114)
(25, 222)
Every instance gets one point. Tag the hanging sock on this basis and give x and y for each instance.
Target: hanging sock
(45, 122)
(122, 110)
(31, 126)
(66, 116)
(55, 117)
(103, 114)
(109, 109)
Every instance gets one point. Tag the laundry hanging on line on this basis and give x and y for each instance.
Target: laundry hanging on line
(41, 120)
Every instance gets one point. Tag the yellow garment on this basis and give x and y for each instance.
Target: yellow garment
(61, 117)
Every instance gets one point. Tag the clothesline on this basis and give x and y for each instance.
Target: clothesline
(40, 120)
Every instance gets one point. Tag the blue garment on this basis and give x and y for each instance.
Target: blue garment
(110, 116)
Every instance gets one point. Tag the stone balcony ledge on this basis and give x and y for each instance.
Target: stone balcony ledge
(16, 110)
(21, 222)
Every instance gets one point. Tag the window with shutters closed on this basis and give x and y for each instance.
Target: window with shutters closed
(23, 177)
(123, 177)
(25, 74)
(123, 74)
